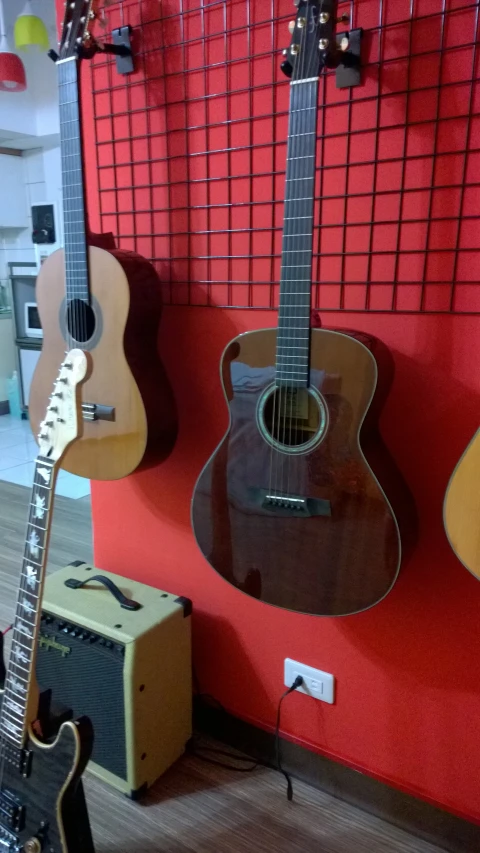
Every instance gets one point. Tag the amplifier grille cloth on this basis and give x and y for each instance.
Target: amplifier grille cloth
(89, 680)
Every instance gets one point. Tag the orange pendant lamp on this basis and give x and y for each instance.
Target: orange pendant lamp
(12, 70)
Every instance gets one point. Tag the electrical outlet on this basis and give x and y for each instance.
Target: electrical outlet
(318, 684)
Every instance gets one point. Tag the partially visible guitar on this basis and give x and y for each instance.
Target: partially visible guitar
(42, 807)
(105, 302)
(461, 510)
(289, 509)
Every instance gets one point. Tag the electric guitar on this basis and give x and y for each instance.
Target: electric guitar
(42, 807)
(461, 509)
(105, 302)
(288, 509)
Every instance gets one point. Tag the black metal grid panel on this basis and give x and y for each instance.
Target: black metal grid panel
(191, 154)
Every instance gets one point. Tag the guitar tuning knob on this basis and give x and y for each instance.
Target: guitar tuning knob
(343, 19)
(291, 26)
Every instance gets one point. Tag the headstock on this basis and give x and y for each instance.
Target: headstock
(62, 420)
(313, 42)
(75, 31)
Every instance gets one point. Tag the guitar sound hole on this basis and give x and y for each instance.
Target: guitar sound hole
(292, 419)
(80, 320)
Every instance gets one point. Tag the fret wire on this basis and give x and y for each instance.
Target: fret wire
(76, 265)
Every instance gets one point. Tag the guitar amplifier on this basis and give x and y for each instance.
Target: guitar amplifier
(119, 652)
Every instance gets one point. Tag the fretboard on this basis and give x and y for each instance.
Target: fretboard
(293, 338)
(76, 268)
(14, 718)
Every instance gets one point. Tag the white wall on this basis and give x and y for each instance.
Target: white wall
(43, 184)
(34, 111)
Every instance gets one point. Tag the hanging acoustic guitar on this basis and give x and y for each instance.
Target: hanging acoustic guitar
(288, 508)
(461, 509)
(105, 302)
(42, 806)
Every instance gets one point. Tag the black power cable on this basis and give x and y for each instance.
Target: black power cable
(199, 751)
(296, 684)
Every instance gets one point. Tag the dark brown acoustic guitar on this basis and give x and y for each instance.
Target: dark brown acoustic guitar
(42, 805)
(105, 302)
(289, 509)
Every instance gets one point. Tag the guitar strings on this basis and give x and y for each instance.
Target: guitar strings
(296, 145)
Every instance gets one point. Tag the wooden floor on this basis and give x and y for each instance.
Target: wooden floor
(195, 807)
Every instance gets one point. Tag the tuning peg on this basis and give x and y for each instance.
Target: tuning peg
(49, 424)
(58, 394)
(343, 19)
(291, 26)
(324, 17)
(323, 44)
(64, 380)
(44, 436)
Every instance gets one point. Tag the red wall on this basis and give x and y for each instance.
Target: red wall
(408, 671)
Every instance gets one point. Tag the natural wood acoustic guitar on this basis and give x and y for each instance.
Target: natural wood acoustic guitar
(291, 508)
(461, 510)
(107, 303)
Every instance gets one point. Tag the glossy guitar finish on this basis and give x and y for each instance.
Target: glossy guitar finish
(52, 794)
(42, 808)
(345, 556)
(127, 374)
(461, 510)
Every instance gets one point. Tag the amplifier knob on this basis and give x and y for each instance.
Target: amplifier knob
(109, 644)
(61, 626)
(93, 638)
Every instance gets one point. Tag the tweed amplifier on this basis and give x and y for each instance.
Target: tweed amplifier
(119, 652)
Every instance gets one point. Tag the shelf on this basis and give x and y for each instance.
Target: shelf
(29, 343)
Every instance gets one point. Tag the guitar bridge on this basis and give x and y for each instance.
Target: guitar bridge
(96, 412)
(293, 505)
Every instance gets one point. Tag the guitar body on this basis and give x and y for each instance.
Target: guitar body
(51, 795)
(461, 509)
(127, 377)
(304, 525)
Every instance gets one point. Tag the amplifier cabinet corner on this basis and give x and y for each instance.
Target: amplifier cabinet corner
(128, 670)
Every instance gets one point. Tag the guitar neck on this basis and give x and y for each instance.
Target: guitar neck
(293, 338)
(76, 259)
(17, 706)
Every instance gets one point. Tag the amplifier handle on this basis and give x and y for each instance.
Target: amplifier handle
(126, 603)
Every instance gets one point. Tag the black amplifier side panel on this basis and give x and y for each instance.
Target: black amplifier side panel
(85, 672)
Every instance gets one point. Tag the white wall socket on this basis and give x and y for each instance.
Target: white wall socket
(318, 684)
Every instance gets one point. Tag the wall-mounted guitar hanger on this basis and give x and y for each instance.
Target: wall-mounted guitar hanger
(121, 49)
